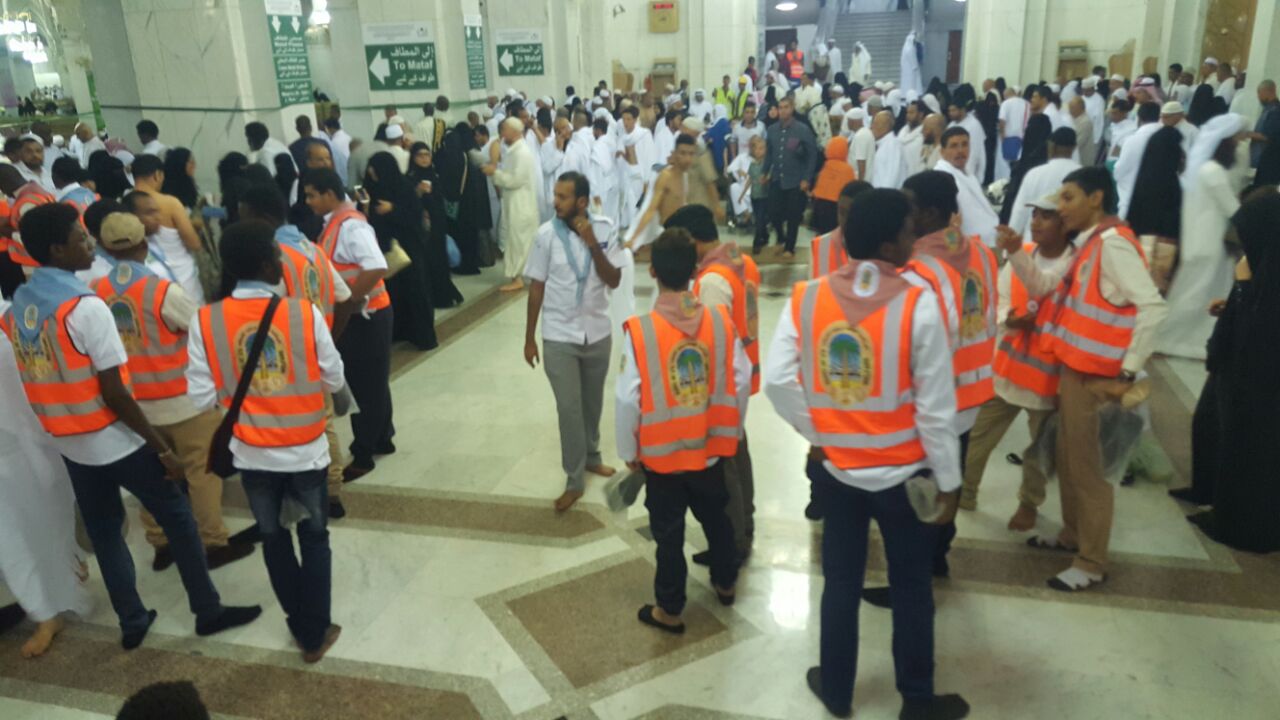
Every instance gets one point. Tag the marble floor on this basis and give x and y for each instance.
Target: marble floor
(463, 595)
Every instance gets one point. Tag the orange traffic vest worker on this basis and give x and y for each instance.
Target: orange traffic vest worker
(74, 369)
(365, 343)
(795, 64)
(152, 315)
(827, 252)
(727, 278)
(1105, 317)
(278, 442)
(1026, 375)
(681, 397)
(859, 366)
(28, 196)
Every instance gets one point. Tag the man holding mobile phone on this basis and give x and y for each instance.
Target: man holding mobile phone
(575, 259)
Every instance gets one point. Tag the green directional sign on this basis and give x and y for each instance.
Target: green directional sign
(287, 30)
(473, 32)
(400, 56)
(519, 52)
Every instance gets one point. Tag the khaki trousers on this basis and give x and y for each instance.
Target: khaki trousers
(1088, 500)
(335, 451)
(994, 419)
(190, 442)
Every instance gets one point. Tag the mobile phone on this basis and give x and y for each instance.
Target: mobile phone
(362, 195)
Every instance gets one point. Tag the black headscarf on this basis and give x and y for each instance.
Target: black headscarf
(1201, 106)
(176, 180)
(1035, 152)
(451, 161)
(107, 173)
(1156, 207)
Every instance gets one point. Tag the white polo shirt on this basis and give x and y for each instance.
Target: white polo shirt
(563, 318)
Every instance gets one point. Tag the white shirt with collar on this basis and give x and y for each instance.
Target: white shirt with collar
(627, 396)
(357, 245)
(563, 318)
(204, 395)
(155, 147)
(933, 383)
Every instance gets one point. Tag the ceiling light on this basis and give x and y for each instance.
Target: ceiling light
(785, 6)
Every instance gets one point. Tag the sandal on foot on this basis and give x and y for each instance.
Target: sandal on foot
(1040, 542)
(1074, 579)
(646, 616)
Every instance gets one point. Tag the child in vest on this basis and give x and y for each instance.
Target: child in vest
(860, 366)
(680, 398)
(152, 315)
(74, 370)
(278, 443)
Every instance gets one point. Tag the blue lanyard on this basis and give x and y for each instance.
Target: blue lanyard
(579, 273)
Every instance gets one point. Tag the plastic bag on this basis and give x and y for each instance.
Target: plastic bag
(622, 490)
(1119, 432)
(455, 255)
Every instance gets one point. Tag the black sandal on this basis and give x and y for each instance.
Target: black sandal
(646, 616)
(1013, 459)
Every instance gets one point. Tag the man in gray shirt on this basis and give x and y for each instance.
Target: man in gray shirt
(790, 162)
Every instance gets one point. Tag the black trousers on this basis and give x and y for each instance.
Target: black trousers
(760, 214)
(365, 347)
(947, 533)
(786, 210)
(668, 497)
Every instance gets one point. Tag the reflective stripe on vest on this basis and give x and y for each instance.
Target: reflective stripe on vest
(977, 347)
(682, 428)
(1020, 360)
(795, 58)
(157, 355)
(1088, 333)
(285, 403)
(827, 254)
(309, 278)
(746, 309)
(60, 382)
(859, 421)
(377, 297)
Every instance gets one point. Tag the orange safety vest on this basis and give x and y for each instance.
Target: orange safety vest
(284, 406)
(688, 409)
(80, 199)
(796, 60)
(309, 278)
(969, 305)
(157, 354)
(27, 197)
(59, 380)
(746, 308)
(378, 297)
(1086, 331)
(827, 254)
(857, 380)
(1020, 359)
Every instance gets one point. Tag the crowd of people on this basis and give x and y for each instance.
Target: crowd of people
(975, 255)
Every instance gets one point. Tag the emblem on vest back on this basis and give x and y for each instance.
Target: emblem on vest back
(36, 359)
(687, 374)
(311, 285)
(973, 315)
(125, 313)
(272, 374)
(846, 363)
(753, 310)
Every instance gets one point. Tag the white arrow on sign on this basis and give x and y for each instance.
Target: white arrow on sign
(380, 68)
(506, 60)
(295, 23)
(275, 23)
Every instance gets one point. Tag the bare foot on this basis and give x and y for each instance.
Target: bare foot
(43, 637)
(1024, 518)
(566, 501)
(330, 637)
(513, 286)
(602, 470)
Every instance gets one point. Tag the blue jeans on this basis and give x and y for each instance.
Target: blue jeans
(97, 490)
(303, 591)
(909, 546)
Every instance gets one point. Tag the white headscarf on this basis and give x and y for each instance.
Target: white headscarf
(932, 103)
(1208, 139)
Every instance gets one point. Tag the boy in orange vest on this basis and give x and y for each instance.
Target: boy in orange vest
(152, 315)
(278, 442)
(725, 277)
(1026, 376)
(74, 370)
(681, 397)
(860, 367)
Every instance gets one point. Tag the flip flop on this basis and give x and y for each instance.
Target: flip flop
(1076, 581)
(1041, 542)
(646, 616)
(1013, 459)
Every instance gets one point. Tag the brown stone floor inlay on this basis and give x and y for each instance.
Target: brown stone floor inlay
(588, 628)
(228, 687)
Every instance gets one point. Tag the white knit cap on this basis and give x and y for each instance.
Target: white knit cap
(856, 114)
(394, 132)
(1090, 82)
(693, 124)
(1173, 107)
(1211, 61)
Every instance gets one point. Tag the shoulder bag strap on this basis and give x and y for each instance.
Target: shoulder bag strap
(251, 363)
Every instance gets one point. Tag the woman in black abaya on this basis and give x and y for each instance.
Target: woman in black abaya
(395, 214)
(426, 184)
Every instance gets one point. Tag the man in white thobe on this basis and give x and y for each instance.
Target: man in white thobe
(1172, 115)
(552, 155)
(862, 144)
(519, 220)
(911, 139)
(1044, 179)
(636, 157)
(701, 107)
(976, 215)
(911, 65)
(890, 163)
(961, 117)
(860, 64)
(601, 171)
(836, 58)
(1094, 106)
(1131, 152)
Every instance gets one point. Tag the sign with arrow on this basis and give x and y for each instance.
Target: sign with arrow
(289, 51)
(400, 56)
(519, 52)
(473, 41)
